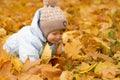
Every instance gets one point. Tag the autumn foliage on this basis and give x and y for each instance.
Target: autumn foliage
(91, 42)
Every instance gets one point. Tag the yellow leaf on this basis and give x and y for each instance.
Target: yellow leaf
(73, 48)
(101, 41)
(83, 66)
(56, 65)
(50, 72)
(66, 75)
(29, 77)
(94, 30)
(2, 32)
(77, 77)
(35, 77)
(47, 54)
(17, 64)
(4, 57)
(88, 69)
(28, 64)
(5, 72)
(78, 57)
(116, 79)
(87, 23)
(105, 69)
(69, 35)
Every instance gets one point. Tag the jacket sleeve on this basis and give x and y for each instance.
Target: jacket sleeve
(10, 45)
(26, 49)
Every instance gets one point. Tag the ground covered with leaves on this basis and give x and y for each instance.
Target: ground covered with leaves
(91, 42)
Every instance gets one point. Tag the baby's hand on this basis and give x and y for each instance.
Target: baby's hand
(59, 49)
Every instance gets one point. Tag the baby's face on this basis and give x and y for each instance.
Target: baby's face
(55, 36)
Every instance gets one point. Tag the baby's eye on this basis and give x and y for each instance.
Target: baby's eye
(61, 33)
(54, 33)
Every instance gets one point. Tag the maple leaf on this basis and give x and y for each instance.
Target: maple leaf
(16, 64)
(94, 26)
(47, 54)
(5, 72)
(116, 79)
(25, 76)
(105, 57)
(118, 36)
(117, 55)
(99, 40)
(69, 35)
(4, 57)
(28, 64)
(88, 77)
(2, 32)
(72, 43)
(85, 67)
(59, 50)
(106, 69)
(66, 75)
(50, 72)
(35, 68)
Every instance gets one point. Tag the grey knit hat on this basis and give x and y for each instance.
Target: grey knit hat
(52, 18)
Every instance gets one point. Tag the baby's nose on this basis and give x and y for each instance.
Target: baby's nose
(59, 36)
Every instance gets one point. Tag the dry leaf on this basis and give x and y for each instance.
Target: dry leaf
(50, 72)
(28, 65)
(86, 67)
(88, 38)
(16, 64)
(4, 57)
(73, 48)
(29, 77)
(5, 72)
(47, 54)
(2, 32)
(66, 75)
(106, 69)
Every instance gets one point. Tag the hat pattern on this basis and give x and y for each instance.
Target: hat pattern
(52, 18)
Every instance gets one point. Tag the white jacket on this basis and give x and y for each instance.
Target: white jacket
(27, 42)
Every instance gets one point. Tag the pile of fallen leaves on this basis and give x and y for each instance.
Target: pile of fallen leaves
(91, 42)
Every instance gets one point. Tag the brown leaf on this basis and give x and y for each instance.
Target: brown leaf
(35, 70)
(29, 77)
(5, 71)
(5, 68)
(50, 72)
(28, 65)
(106, 69)
(73, 47)
(16, 64)
(66, 75)
(105, 57)
(4, 57)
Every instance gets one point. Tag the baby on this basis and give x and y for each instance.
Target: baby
(47, 25)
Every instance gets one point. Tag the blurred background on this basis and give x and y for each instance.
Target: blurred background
(15, 14)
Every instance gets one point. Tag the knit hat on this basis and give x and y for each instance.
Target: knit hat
(50, 2)
(52, 18)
